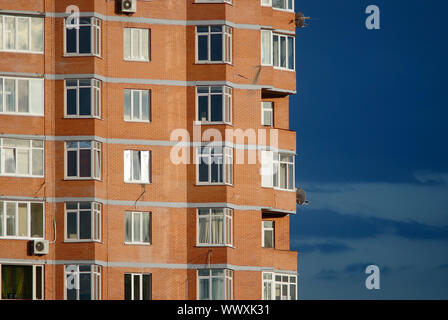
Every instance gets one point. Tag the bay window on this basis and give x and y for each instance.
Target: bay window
(83, 37)
(82, 221)
(214, 104)
(213, 44)
(83, 160)
(82, 282)
(21, 220)
(279, 286)
(21, 34)
(215, 165)
(83, 98)
(277, 170)
(137, 166)
(21, 157)
(215, 284)
(215, 226)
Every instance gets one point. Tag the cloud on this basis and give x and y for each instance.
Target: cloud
(422, 203)
(349, 271)
(325, 247)
(428, 177)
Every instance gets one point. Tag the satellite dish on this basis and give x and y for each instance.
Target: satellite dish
(301, 197)
(301, 20)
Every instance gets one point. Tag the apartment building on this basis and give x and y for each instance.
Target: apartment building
(94, 203)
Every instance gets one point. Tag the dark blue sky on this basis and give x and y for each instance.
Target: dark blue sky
(370, 116)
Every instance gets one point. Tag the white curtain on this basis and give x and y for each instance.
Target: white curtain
(145, 166)
(127, 165)
(267, 158)
(217, 230)
(204, 230)
(266, 47)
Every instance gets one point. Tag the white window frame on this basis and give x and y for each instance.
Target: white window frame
(34, 279)
(95, 36)
(139, 215)
(140, 277)
(227, 162)
(30, 149)
(140, 57)
(31, 100)
(274, 282)
(95, 148)
(266, 3)
(95, 280)
(228, 282)
(271, 52)
(95, 222)
(129, 167)
(227, 46)
(140, 93)
(226, 93)
(95, 98)
(271, 3)
(29, 236)
(270, 109)
(227, 216)
(263, 235)
(16, 32)
(270, 168)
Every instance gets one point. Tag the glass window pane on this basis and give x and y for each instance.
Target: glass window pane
(10, 160)
(266, 47)
(36, 96)
(23, 219)
(204, 230)
(136, 105)
(9, 33)
(10, 95)
(23, 161)
(10, 219)
(145, 105)
(1, 33)
(85, 163)
(145, 43)
(37, 220)
(203, 171)
(137, 237)
(135, 43)
(216, 107)
(136, 287)
(37, 34)
(72, 166)
(85, 101)
(85, 225)
(23, 98)
(216, 47)
(136, 165)
(1, 80)
(291, 53)
(127, 104)
(85, 41)
(218, 292)
(283, 52)
(127, 43)
(203, 108)
(1, 214)
(39, 282)
(204, 290)
(23, 42)
(127, 287)
(202, 48)
(217, 230)
(146, 287)
(72, 225)
(128, 226)
(71, 102)
(38, 162)
(85, 289)
(70, 38)
(275, 51)
(146, 227)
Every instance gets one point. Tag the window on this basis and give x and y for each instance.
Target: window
(22, 282)
(21, 220)
(83, 98)
(215, 226)
(279, 286)
(268, 234)
(83, 282)
(137, 105)
(215, 284)
(21, 96)
(137, 226)
(267, 114)
(83, 37)
(277, 170)
(214, 166)
(137, 286)
(21, 34)
(214, 44)
(281, 4)
(137, 166)
(281, 53)
(214, 104)
(83, 159)
(82, 221)
(21, 157)
(136, 44)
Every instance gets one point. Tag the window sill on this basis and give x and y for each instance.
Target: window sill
(81, 55)
(211, 123)
(19, 238)
(20, 176)
(283, 10)
(83, 241)
(138, 244)
(213, 62)
(137, 121)
(199, 184)
(215, 246)
(17, 114)
(137, 182)
(27, 52)
(136, 60)
(82, 179)
(81, 117)
(284, 69)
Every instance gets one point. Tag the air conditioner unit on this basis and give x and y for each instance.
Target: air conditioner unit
(40, 247)
(129, 6)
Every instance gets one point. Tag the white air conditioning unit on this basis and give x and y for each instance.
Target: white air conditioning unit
(40, 247)
(129, 6)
